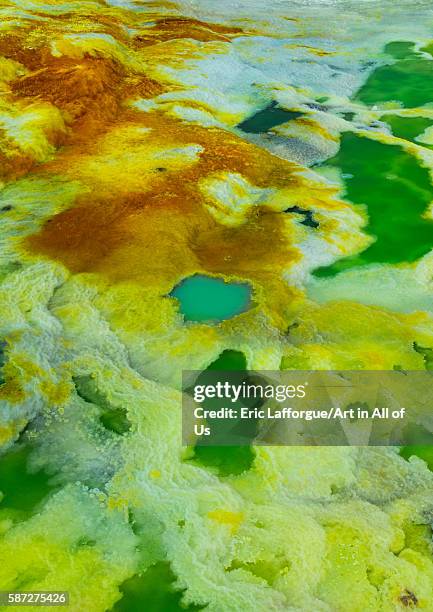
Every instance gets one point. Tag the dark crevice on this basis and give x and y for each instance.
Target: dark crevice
(315, 106)
(308, 220)
(427, 354)
(349, 116)
(289, 330)
(133, 522)
(84, 542)
(409, 599)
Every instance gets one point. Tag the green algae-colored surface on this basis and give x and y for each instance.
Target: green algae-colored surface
(204, 298)
(396, 192)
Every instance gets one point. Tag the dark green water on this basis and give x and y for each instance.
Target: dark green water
(152, 591)
(205, 298)
(23, 490)
(408, 127)
(226, 460)
(267, 118)
(229, 360)
(423, 452)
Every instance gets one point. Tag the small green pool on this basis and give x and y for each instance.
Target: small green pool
(205, 298)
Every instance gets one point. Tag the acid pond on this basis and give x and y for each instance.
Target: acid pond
(205, 298)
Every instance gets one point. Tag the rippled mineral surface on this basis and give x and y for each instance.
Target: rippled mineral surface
(282, 147)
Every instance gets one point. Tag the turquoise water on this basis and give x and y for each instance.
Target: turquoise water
(204, 298)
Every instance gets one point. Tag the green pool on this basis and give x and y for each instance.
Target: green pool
(205, 298)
